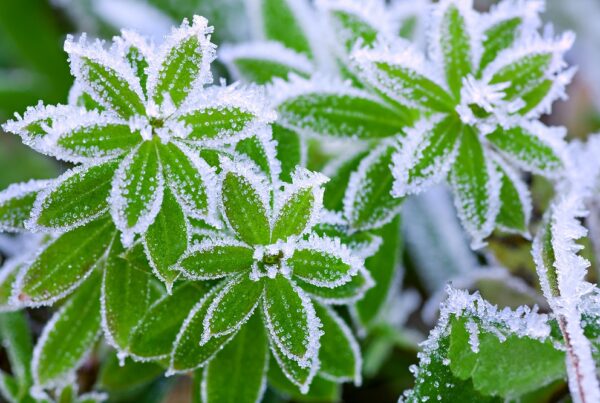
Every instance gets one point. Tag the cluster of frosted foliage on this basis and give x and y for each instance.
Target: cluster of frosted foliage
(276, 267)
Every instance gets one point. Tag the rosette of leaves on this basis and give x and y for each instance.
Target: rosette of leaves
(141, 123)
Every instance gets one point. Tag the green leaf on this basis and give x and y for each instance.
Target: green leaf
(368, 202)
(127, 293)
(216, 123)
(339, 353)
(213, 260)
(166, 239)
(17, 341)
(347, 114)
(245, 209)
(383, 267)
(156, 331)
(528, 147)
(350, 27)
(9, 387)
(238, 372)
(188, 354)
(335, 189)
(523, 75)
(289, 374)
(291, 319)
(137, 191)
(91, 141)
(16, 204)
(65, 263)
(115, 377)
(136, 57)
(8, 277)
(515, 210)
(323, 267)
(232, 306)
(290, 150)
(455, 47)
(136, 257)
(76, 198)
(344, 294)
(69, 335)
(282, 21)
(186, 56)
(426, 157)
(321, 390)
(255, 148)
(499, 37)
(476, 186)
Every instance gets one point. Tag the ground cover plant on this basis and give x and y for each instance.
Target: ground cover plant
(345, 200)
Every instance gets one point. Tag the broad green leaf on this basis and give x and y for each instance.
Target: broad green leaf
(352, 114)
(186, 53)
(186, 175)
(212, 260)
(426, 158)
(368, 202)
(476, 186)
(289, 150)
(215, 123)
(188, 354)
(516, 202)
(65, 263)
(78, 197)
(115, 377)
(291, 319)
(107, 85)
(335, 189)
(232, 306)
(526, 148)
(344, 294)
(282, 21)
(320, 267)
(136, 257)
(97, 140)
(499, 37)
(349, 27)
(256, 150)
(455, 46)
(167, 239)
(245, 209)
(137, 191)
(238, 373)
(536, 95)
(16, 204)
(127, 292)
(69, 335)
(339, 353)
(288, 374)
(156, 331)
(16, 339)
(404, 84)
(383, 267)
(299, 209)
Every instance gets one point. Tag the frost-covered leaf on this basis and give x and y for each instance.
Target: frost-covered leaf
(453, 36)
(368, 202)
(109, 80)
(16, 204)
(515, 199)
(426, 156)
(286, 371)
(127, 292)
(232, 306)
(346, 293)
(261, 149)
(476, 185)
(478, 351)
(290, 150)
(188, 354)
(296, 336)
(340, 173)
(190, 179)
(533, 147)
(245, 205)
(69, 335)
(16, 339)
(8, 277)
(167, 239)
(261, 62)
(182, 64)
(115, 377)
(339, 353)
(156, 331)
(382, 268)
(215, 259)
(238, 373)
(325, 108)
(62, 265)
(324, 262)
(134, 48)
(320, 388)
(74, 199)
(137, 191)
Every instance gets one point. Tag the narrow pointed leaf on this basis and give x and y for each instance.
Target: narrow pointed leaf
(328, 266)
(350, 25)
(213, 260)
(285, 21)
(289, 150)
(499, 37)
(69, 335)
(261, 151)
(8, 277)
(344, 294)
(77, 197)
(216, 123)
(336, 187)
(17, 340)
(515, 210)
(16, 204)
(64, 263)
(289, 376)
(238, 373)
